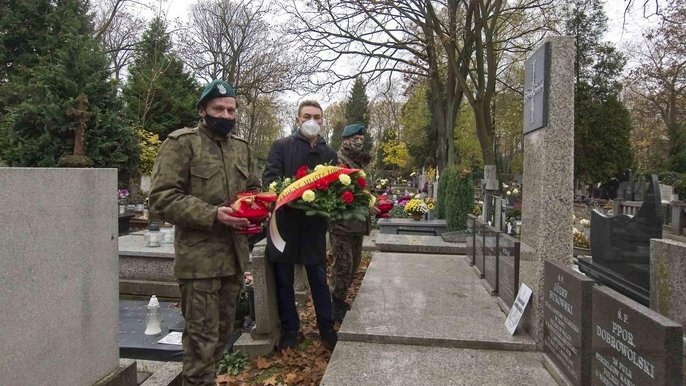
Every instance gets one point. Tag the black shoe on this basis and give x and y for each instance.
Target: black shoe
(289, 339)
(340, 308)
(329, 338)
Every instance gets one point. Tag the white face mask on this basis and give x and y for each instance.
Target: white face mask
(310, 128)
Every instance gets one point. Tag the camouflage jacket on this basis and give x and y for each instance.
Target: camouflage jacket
(195, 172)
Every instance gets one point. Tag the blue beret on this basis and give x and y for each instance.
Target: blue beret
(217, 89)
(355, 128)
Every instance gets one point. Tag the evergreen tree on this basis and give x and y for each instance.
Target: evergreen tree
(356, 111)
(160, 95)
(38, 125)
(602, 146)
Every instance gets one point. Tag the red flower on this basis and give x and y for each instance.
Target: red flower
(347, 197)
(321, 185)
(362, 182)
(302, 172)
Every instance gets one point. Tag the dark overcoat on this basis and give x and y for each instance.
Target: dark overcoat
(305, 236)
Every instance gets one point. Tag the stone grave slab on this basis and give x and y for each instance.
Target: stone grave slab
(567, 322)
(633, 344)
(508, 269)
(427, 300)
(491, 252)
(404, 226)
(374, 364)
(417, 244)
(133, 343)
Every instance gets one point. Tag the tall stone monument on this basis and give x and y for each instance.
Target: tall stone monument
(548, 183)
(59, 278)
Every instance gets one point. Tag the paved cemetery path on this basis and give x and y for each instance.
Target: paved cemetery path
(426, 319)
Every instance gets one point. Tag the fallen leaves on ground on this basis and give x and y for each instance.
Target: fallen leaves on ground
(305, 365)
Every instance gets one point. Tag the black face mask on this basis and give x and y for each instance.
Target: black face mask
(220, 126)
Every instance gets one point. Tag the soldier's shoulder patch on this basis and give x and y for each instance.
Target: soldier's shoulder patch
(184, 131)
(239, 138)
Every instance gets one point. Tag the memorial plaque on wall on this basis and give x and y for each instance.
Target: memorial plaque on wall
(469, 241)
(491, 258)
(508, 268)
(567, 320)
(632, 344)
(479, 246)
(536, 89)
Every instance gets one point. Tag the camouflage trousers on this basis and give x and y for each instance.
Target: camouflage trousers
(208, 307)
(347, 253)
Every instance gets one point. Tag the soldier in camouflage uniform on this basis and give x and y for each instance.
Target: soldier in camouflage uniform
(346, 236)
(197, 172)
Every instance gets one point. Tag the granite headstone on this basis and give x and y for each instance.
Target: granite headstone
(567, 322)
(479, 248)
(491, 258)
(508, 268)
(620, 247)
(632, 344)
(469, 241)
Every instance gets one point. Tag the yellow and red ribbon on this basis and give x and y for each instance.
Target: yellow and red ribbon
(326, 174)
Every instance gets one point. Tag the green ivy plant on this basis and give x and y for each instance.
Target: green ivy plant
(233, 363)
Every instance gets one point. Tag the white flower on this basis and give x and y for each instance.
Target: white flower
(515, 191)
(287, 181)
(272, 186)
(318, 167)
(361, 173)
(372, 200)
(345, 179)
(505, 186)
(417, 195)
(508, 193)
(378, 186)
(308, 196)
(586, 223)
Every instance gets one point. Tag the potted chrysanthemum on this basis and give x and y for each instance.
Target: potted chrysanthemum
(416, 208)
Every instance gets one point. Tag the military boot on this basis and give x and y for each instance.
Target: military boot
(340, 308)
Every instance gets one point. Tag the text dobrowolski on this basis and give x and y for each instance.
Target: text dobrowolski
(567, 322)
(633, 345)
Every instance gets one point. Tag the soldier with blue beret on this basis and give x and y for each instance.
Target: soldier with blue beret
(198, 171)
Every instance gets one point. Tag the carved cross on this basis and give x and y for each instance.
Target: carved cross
(83, 115)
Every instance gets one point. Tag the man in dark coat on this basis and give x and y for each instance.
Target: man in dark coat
(305, 236)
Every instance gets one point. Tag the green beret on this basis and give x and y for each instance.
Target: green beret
(355, 128)
(217, 89)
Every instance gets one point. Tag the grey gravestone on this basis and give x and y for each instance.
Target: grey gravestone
(567, 322)
(632, 344)
(471, 228)
(508, 268)
(491, 258)
(491, 177)
(620, 247)
(536, 89)
(479, 248)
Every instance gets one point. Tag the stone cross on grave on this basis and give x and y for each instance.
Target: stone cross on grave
(83, 115)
